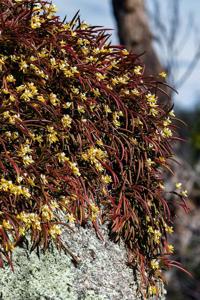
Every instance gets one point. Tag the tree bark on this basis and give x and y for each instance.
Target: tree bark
(134, 32)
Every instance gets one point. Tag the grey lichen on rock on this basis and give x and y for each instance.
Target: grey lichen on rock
(102, 273)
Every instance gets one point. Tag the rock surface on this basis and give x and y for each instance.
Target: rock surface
(102, 273)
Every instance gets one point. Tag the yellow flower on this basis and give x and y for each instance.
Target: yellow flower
(152, 290)
(19, 179)
(24, 149)
(96, 92)
(99, 142)
(33, 58)
(10, 78)
(171, 113)
(83, 96)
(166, 132)
(150, 229)
(157, 236)
(62, 158)
(115, 81)
(100, 76)
(95, 211)
(93, 155)
(9, 246)
(2, 61)
(31, 181)
(148, 219)
(66, 121)
(22, 231)
(23, 65)
(170, 248)
(43, 178)
(15, 135)
(75, 90)
(137, 122)
(12, 98)
(53, 99)
(27, 160)
(81, 109)
(67, 105)
(106, 179)
(135, 92)
(52, 137)
(167, 122)
(85, 50)
(84, 25)
(7, 225)
(47, 213)
(55, 230)
(21, 88)
(94, 208)
(50, 10)
(153, 112)
(25, 192)
(178, 185)
(54, 204)
(18, 190)
(73, 33)
(41, 98)
(35, 22)
(149, 162)
(169, 229)
(30, 220)
(152, 100)
(116, 116)
(125, 52)
(184, 193)
(163, 74)
(154, 264)
(74, 168)
(162, 159)
(71, 218)
(107, 109)
(138, 70)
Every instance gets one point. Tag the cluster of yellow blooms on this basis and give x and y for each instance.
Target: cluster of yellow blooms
(37, 20)
(138, 70)
(152, 102)
(155, 264)
(52, 135)
(73, 165)
(95, 211)
(156, 234)
(29, 220)
(93, 155)
(55, 230)
(116, 117)
(11, 119)
(153, 290)
(17, 190)
(106, 179)
(24, 153)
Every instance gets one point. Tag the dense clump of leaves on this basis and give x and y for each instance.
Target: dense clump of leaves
(82, 137)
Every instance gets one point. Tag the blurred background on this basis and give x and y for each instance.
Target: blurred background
(168, 33)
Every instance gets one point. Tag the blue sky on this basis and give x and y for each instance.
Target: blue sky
(100, 13)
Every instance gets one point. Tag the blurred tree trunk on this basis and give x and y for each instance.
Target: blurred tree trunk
(134, 33)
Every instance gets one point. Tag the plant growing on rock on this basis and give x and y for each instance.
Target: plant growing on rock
(82, 138)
